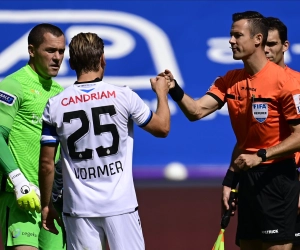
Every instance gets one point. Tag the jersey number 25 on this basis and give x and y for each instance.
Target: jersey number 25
(98, 129)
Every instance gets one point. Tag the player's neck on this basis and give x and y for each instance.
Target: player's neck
(254, 63)
(282, 64)
(90, 76)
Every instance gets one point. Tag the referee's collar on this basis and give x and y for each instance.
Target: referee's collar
(98, 79)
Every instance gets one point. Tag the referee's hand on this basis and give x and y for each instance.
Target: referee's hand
(225, 198)
(246, 161)
(169, 77)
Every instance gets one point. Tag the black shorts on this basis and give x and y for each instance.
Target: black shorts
(268, 202)
(297, 232)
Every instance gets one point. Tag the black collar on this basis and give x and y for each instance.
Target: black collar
(95, 80)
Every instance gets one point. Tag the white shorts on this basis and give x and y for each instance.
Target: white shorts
(123, 232)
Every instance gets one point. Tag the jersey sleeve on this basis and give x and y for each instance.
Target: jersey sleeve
(49, 134)
(290, 98)
(11, 96)
(218, 90)
(139, 111)
(7, 163)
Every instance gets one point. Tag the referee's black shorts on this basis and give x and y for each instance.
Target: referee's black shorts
(268, 202)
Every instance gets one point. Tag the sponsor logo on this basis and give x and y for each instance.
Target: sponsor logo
(16, 233)
(87, 97)
(28, 234)
(275, 231)
(260, 111)
(297, 234)
(36, 119)
(7, 98)
(15, 176)
(248, 88)
(34, 91)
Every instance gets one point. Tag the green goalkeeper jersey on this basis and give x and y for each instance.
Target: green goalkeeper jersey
(23, 96)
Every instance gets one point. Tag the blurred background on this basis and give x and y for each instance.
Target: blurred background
(178, 179)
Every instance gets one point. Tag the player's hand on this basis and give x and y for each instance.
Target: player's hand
(27, 194)
(49, 214)
(169, 77)
(246, 161)
(159, 84)
(225, 198)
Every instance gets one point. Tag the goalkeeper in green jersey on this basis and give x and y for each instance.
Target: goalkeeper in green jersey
(23, 96)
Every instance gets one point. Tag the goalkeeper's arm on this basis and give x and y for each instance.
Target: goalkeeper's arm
(25, 192)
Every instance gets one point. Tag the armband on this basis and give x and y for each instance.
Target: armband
(231, 179)
(177, 92)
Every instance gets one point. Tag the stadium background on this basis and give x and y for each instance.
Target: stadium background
(142, 38)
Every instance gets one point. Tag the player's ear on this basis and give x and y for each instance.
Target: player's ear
(103, 61)
(285, 46)
(31, 50)
(258, 38)
(71, 64)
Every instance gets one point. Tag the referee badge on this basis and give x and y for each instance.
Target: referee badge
(297, 102)
(260, 111)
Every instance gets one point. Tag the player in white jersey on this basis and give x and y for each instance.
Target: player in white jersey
(93, 121)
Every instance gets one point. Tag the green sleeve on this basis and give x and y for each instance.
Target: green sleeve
(7, 163)
(11, 97)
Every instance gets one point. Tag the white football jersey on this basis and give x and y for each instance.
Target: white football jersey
(93, 123)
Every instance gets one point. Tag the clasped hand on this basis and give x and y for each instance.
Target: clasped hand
(246, 161)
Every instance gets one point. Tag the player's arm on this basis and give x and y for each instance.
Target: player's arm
(193, 109)
(7, 163)
(159, 123)
(197, 109)
(46, 172)
(11, 97)
(288, 146)
(49, 145)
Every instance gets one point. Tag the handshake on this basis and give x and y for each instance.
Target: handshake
(27, 194)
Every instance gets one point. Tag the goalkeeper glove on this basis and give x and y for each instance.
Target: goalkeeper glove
(27, 194)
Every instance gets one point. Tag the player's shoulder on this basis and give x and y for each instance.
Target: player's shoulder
(56, 86)
(275, 74)
(19, 74)
(233, 76)
(10, 80)
(60, 94)
(294, 73)
(275, 68)
(235, 72)
(119, 87)
(12, 86)
(13, 78)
